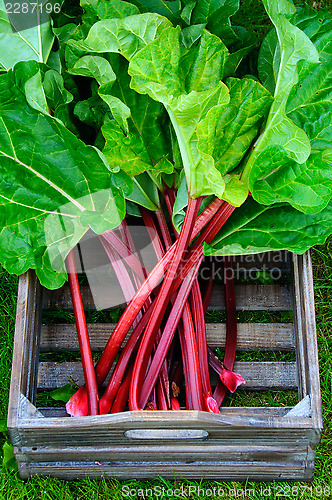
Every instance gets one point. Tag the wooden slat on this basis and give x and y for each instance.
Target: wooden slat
(231, 411)
(251, 336)
(26, 347)
(306, 345)
(171, 452)
(258, 471)
(248, 298)
(258, 375)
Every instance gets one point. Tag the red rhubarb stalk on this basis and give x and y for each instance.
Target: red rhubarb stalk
(164, 343)
(114, 343)
(231, 380)
(123, 392)
(199, 320)
(83, 336)
(124, 252)
(160, 306)
(115, 382)
(120, 270)
(231, 328)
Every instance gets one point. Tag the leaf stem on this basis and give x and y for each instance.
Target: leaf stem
(83, 336)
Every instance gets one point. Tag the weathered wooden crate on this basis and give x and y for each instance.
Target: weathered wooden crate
(260, 443)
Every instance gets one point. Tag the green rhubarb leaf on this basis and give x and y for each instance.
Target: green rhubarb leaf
(92, 111)
(129, 153)
(191, 34)
(63, 393)
(143, 115)
(278, 178)
(125, 151)
(236, 151)
(95, 67)
(171, 9)
(269, 61)
(206, 10)
(48, 178)
(95, 10)
(215, 14)
(194, 117)
(309, 105)
(34, 92)
(128, 35)
(155, 70)
(119, 109)
(180, 204)
(54, 61)
(145, 192)
(33, 43)
(55, 91)
(280, 130)
(255, 228)
(187, 11)
(307, 187)
(238, 123)
(204, 65)
(235, 192)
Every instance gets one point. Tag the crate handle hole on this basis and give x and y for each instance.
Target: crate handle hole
(164, 434)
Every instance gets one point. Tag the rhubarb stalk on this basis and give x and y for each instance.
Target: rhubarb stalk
(83, 336)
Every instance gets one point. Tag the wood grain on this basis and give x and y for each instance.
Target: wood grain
(251, 336)
(258, 375)
(248, 298)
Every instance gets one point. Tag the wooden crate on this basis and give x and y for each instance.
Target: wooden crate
(260, 443)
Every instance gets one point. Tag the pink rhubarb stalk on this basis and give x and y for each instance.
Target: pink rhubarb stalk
(83, 338)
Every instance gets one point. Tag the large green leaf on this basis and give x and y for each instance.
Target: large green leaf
(215, 15)
(127, 35)
(55, 91)
(310, 102)
(144, 192)
(249, 103)
(167, 8)
(92, 111)
(144, 115)
(95, 10)
(52, 189)
(269, 61)
(203, 66)
(34, 43)
(278, 177)
(125, 151)
(155, 70)
(255, 228)
(95, 67)
(280, 130)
